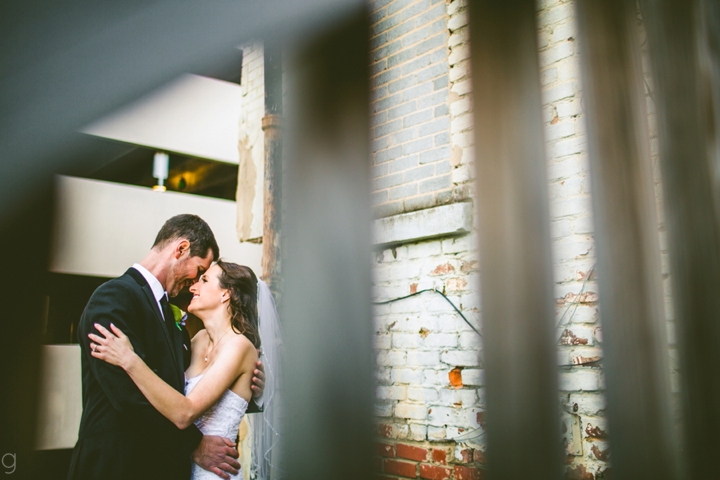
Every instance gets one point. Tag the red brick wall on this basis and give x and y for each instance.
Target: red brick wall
(396, 461)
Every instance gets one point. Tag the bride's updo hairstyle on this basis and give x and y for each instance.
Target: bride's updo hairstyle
(241, 282)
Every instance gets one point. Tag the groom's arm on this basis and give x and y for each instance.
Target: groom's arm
(258, 387)
(113, 303)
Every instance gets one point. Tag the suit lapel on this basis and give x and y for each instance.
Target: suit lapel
(178, 349)
(153, 304)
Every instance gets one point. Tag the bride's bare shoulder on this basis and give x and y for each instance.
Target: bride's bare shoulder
(200, 338)
(241, 343)
(240, 340)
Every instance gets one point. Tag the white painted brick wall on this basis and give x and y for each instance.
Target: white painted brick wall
(424, 338)
(423, 155)
(428, 339)
(252, 140)
(460, 102)
(571, 226)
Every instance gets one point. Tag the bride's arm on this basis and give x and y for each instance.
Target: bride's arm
(179, 409)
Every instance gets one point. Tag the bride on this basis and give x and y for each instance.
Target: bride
(224, 355)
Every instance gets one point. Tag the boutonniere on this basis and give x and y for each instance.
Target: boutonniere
(179, 315)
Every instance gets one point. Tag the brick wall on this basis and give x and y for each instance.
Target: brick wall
(430, 378)
(579, 332)
(410, 122)
(431, 463)
(430, 375)
(462, 139)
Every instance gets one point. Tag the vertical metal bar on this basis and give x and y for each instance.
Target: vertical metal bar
(685, 134)
(272, 127)
(516, 276)
(626, 236)
(326, 263)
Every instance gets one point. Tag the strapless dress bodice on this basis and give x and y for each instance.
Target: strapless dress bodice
(222, 419)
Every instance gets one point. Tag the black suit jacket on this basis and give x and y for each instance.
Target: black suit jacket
(121, 435)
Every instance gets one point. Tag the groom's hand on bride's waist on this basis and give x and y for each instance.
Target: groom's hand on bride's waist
(217, 455)
(258, 380)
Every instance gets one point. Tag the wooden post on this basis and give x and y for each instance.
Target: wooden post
(523, 436)
(327, 314)
(685, 137)
(626, 237)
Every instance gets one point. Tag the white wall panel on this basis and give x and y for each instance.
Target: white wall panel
(60, 397)
(193, 115)
(102, 228)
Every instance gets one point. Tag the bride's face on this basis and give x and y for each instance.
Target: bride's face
(207, 294)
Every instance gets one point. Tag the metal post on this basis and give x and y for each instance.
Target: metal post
(272, 127)
(685, 135)
(523, 435)
(626, 236)
(326, 260)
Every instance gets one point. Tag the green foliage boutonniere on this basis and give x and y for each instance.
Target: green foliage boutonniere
(180, 316)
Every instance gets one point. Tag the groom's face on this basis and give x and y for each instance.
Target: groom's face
(186, 272)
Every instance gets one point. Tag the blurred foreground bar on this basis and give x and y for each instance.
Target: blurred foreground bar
(326, 263)
(686, 133)
(516, 278)
(626, 235)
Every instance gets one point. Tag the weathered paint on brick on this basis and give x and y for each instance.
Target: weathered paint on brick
(423, 346)
(434, 472)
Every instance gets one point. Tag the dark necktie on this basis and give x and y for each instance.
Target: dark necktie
(167, 313)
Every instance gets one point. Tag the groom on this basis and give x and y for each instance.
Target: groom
(121, 435)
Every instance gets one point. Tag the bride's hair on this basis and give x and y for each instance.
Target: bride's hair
(241, 282)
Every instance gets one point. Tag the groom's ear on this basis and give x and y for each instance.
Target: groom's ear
(182, 247)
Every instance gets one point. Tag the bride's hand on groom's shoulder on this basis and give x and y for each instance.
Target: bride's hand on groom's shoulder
(217, 455)
(112, 347)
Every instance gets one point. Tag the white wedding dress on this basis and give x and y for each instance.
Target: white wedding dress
(222, 419)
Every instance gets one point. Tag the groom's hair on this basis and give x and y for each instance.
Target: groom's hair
(194, 230)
